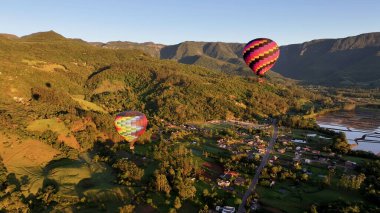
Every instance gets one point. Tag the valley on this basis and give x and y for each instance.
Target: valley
(208, 132)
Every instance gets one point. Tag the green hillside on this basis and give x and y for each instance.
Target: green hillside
(58, 144)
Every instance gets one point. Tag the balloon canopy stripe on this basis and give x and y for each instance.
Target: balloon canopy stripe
(263, 62)
(264, 69)
(255, 57)
(255, 44)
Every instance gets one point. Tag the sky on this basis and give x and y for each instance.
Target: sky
(174, 21)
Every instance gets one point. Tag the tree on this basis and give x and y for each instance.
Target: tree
(127, 209)
(351, 181)
(304, 177)
(162, 183)
(313, 209)
(204, 210)
(3, 174)
(128, 171)
(177, 203)
(186, 189)
(237, 201)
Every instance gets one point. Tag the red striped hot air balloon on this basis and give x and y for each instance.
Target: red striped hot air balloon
(131, 125)
(260, 55)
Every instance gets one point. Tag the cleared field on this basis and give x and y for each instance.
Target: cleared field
(83, 178)
(26, 159)
(110, 86)
(89, 106)
(67, 174)
(55, 125)
(44, 66)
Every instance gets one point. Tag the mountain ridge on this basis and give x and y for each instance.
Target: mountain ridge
(331, 62)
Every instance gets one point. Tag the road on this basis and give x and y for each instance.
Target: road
(263, 163)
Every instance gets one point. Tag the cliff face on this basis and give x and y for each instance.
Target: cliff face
(335, 62)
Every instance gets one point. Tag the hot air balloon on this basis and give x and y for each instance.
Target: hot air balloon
(260, 55)
(131, 125)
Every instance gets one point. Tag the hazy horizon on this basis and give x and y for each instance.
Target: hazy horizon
(172, 22)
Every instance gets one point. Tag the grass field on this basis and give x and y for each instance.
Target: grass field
(89, 106)
(24, 159)
(55, 125)
(292, 198)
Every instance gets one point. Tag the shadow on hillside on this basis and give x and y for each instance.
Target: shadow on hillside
(98, 71)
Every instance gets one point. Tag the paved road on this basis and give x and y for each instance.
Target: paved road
(264, 162)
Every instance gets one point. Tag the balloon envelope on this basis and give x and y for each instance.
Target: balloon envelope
(131, 125)
(260, 55)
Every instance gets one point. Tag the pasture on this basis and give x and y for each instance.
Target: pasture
(55, 125)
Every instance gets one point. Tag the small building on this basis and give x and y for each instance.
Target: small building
(232, 173)
(350, 164)
(224, 183)
(298, 141)
(225, 209)
(332, 154)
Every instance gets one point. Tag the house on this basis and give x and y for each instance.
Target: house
(232, 173)
(350, 164)
(223, 146)
(282, 151)
(298, 141)
(225, 209)
(331, 167)
(306, 149)
(225, 176)
(316, 152)
(224, 183)
(255, 206)
(308, 161)
(332, 154)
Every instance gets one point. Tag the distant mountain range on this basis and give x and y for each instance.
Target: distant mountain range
(351, 61)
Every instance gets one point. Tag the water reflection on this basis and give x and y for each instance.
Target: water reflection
(355, 124)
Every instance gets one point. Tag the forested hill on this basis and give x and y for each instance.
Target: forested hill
(47, 70)
(351, 61)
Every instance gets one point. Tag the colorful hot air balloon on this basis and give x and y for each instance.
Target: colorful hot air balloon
(260, 55)
(131, 125)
